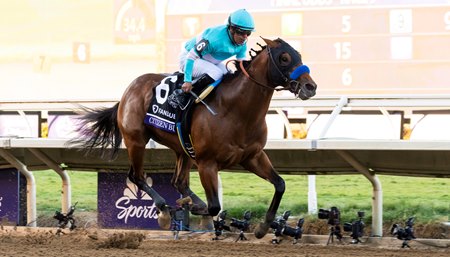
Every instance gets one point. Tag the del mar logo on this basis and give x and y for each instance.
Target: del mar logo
(136, 203)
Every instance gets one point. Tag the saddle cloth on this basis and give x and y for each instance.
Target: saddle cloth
(162, 112)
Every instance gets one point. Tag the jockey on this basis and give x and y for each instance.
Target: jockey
(202, 57)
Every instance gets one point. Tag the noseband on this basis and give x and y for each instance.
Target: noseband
(290, 83)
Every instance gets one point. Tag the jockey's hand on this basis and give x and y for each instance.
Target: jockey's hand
(187, 87)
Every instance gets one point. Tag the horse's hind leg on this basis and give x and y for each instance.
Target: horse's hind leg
(209, 179)
(137, 176)
(136, 149)
(261, 166)
(180, 181)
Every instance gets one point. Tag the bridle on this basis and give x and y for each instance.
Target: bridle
(290, 83)
(254, 80)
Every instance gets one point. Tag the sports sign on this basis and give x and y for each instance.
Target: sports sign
(122, 205)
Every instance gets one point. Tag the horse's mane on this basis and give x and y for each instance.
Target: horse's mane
(253, 53)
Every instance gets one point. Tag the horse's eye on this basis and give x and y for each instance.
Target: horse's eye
(285, 59)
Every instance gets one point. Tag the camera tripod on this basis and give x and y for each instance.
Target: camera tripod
(219, 227)
(406, 244)
(356, 240)
(241, 236)
(334, 231)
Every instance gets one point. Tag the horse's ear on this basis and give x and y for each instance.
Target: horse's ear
(269, 42)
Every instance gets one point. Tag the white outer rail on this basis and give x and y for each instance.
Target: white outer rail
(327, 102)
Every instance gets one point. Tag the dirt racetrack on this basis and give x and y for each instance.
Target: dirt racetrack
(96, 242)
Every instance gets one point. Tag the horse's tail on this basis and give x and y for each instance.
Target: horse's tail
(98, 129)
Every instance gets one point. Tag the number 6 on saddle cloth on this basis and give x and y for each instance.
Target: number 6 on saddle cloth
(170, 108)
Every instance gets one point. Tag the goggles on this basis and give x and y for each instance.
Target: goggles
(242, 32)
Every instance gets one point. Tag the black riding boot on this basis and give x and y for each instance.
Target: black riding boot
(204, 81)
(182, 98)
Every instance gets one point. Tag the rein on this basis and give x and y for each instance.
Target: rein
(257, 82)
(291, 83)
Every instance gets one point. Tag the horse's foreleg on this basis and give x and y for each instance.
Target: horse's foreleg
(180, 181)
(261, 166)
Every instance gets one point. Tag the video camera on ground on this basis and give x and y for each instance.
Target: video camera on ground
(334, 219)
(280, 227)
(333, 215)
(65, 219)
(406, 234)
(356, 227)
(220, 224)
(242, 225)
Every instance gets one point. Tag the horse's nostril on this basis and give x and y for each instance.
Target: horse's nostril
(308, 90)
(310, 87)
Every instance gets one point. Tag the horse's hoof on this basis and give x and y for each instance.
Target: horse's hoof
(214, 210)
(164, 219)
(197, 209)
(206, 223)
(186, 200)
(261, 230)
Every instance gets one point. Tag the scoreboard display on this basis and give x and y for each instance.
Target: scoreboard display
(134, 21)
(351, 46)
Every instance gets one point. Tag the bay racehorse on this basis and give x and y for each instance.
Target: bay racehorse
(235, 136)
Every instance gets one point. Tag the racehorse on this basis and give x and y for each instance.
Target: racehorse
(235, 136)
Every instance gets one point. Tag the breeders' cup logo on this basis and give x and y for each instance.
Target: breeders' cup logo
(136, 203)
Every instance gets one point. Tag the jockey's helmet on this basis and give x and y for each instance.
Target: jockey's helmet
(241, 19)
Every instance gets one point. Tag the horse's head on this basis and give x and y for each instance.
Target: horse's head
(287, 70)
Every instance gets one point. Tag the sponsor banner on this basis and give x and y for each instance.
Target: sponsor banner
(9, 196)
(122, 205)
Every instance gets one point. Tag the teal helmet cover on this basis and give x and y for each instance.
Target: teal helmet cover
(242, 20)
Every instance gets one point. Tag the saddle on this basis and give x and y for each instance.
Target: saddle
(163, 112)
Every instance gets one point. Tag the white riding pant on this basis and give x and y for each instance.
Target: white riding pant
(215, 71)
